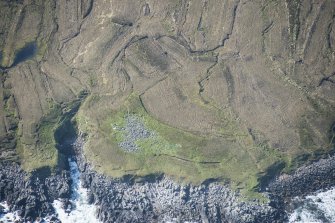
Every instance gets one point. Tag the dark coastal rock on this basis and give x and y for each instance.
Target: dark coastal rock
(29, 194)
(317, 176)
(163, 200)
(155, 198)
(59, 185)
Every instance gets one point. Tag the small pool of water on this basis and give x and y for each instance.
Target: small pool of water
(28, 51)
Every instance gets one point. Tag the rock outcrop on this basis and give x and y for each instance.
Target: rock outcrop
(32, 195)
(319, 175)
(157, 198)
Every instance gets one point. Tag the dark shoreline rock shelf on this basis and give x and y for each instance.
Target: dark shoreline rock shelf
(157, 198)
(316, 176)
(31, 195)
(160, 199)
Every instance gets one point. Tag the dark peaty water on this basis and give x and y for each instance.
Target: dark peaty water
(25, 53)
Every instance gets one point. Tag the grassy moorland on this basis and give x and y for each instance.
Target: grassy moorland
(185, 156)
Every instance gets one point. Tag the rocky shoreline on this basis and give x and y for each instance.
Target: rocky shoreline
(306, 179)
(156, 198)
(160, 199)
(31, 196)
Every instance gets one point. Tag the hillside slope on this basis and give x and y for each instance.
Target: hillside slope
(195, 89)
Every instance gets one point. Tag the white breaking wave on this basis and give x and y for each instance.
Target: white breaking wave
(83, 212)
(79, 212)
(317, 208)
(8, 216)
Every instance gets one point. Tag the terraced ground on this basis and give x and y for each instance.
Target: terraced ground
(217, 89)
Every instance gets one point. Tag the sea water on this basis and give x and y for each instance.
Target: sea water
(316, 208)
(81, 211)
(7, 216)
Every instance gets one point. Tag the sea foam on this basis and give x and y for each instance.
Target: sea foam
(318, 207)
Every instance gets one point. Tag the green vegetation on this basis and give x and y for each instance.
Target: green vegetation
(92, 81)
(12, 118)
(53, 128)
(168, 26)
(44, 153)
(41, 48)
(185, 156)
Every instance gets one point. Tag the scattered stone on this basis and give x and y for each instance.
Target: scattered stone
(133, 130)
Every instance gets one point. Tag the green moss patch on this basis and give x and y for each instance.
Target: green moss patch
(44, 152)
(53, 128)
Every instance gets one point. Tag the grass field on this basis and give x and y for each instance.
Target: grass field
(43, 153)
(187, 157)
